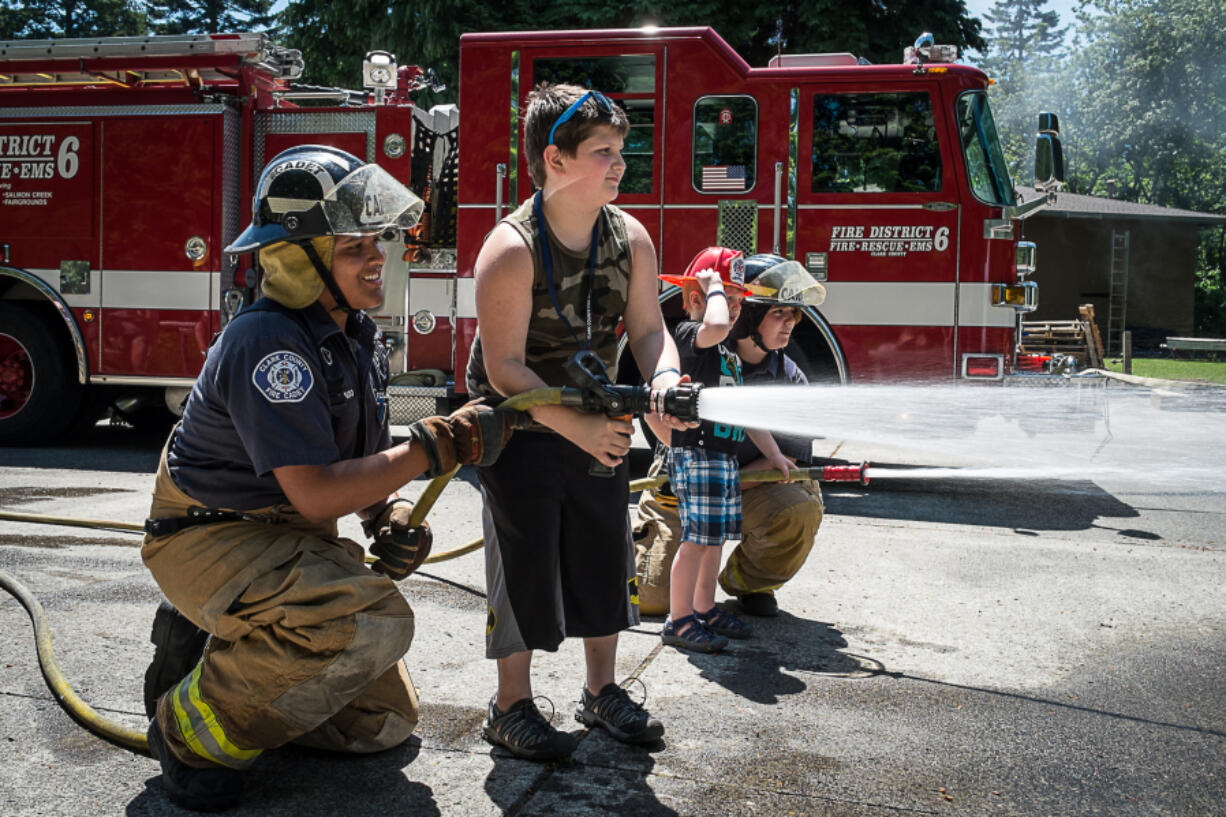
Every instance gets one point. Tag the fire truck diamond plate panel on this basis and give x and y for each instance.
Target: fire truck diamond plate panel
(738, 225)
(333, 122)
(407, 404)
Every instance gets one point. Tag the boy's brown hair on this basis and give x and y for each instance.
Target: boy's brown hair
(546, 103)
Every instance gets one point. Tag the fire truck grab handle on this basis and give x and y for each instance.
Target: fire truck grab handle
(778, 204)
(500, 173)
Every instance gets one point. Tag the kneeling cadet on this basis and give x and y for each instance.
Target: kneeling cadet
(285, 431)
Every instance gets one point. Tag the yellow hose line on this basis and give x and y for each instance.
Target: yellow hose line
(429, 496)
(520, 402)
(72, 703)
(69, 522)
(476, 544)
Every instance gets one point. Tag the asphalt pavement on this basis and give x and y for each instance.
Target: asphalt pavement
(961, 647)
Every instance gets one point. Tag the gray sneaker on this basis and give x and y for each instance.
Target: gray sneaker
(523, 731)
(621, 717)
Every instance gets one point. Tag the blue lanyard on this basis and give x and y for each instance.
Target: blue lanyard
(548, 263)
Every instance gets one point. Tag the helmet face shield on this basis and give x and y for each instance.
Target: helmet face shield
(313, 190)
(369, 200)
(786, 284)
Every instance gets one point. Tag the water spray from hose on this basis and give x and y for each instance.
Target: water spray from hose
(1071, 430)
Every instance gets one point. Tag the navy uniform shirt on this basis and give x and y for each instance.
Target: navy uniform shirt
(775, 369)
(279, 387)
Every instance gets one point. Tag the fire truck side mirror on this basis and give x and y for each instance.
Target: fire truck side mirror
(1048, 154)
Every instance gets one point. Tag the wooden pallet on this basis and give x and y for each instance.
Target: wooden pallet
(1079, 338)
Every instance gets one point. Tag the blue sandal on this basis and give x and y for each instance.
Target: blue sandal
(689, 633)
(721, 622)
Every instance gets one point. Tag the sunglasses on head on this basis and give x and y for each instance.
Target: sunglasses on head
(602, 103)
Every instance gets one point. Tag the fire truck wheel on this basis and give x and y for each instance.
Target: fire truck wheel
(39, 391)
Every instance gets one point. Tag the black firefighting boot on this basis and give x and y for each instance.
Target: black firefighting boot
(178, 645)
(215, 788)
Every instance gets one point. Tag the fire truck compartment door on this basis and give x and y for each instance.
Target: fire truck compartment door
(159, 212)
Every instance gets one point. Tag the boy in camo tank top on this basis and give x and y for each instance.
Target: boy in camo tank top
(553, 278)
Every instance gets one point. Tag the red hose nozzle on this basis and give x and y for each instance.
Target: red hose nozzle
(845, 473)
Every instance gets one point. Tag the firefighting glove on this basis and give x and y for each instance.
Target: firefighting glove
(400, 549)
(473, 435)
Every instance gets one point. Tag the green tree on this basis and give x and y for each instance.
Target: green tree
(1022, 35)
(209, 16)
(333, 37)
(1024, 57)
(876, 30)
(1151, 82)
(42, 19)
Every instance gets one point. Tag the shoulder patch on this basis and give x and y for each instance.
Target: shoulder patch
(283, 377)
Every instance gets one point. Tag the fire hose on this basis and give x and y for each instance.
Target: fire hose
(593, 392)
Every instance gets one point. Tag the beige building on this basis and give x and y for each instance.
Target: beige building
(1135, 263)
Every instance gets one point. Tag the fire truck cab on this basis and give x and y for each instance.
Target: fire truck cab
(127, 166)
(886, 181)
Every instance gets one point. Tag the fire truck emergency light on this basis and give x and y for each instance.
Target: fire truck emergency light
(1022, 296)
(924, 51)
(379, 73)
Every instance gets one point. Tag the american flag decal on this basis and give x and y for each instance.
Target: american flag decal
(723, 177)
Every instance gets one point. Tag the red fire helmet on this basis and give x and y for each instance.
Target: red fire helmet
(729, 263)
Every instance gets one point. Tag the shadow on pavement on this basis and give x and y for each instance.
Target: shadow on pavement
(756, 669)
(602, 771)
(296, 780)
(105, 448)
(1037, 505)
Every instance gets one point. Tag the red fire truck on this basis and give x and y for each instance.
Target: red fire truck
(127, 165)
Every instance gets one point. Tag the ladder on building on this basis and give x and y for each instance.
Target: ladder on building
(1117, 303)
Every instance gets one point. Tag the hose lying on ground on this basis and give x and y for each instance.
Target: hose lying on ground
(134, 740)
(72, 703)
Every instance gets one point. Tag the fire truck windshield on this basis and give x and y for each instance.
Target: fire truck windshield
(985, 161)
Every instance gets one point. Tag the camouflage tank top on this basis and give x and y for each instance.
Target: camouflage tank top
(550, 342)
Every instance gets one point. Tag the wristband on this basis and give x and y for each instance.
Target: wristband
(711, 292)
(652, 379)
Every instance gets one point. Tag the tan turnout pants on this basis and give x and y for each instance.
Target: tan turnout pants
(307, 642)
(778, 521)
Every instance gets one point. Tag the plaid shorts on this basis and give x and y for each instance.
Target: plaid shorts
(708, 495)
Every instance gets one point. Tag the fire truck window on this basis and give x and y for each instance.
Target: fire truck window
(725, 144)
(634, 74)
(875, 143)
(639, 147)
(631, 82)
(985, 161)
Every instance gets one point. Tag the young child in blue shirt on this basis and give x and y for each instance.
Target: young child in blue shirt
(702, 461)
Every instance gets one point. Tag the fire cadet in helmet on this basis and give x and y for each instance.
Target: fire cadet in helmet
(779, 520)
(285, 431)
